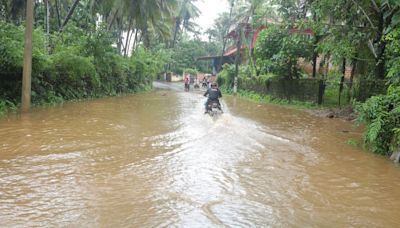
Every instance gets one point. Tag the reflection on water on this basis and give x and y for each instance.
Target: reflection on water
(154, 159)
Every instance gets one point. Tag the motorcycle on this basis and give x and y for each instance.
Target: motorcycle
(214, 109)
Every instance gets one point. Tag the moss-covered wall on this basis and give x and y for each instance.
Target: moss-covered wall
(293, 89)
(364, 89)
(311, 90)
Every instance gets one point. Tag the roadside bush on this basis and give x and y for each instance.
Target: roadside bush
(72, 76)
(11, 61)
(393, 39)
(226, 76)
(82, 63)
(5, 106)
(245, 71)
(113, 72)
(254, 96)
(381, 114)
(11, 47)
(190, 71)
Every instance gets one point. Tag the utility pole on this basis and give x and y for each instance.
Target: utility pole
(27, 71)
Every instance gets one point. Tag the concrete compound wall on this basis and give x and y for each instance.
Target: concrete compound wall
(311, 90)
(294, 89)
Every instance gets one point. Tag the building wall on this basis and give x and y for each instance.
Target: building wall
(176, 78)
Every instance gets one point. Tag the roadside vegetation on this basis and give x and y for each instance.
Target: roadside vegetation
(86, 48)
(353, 49)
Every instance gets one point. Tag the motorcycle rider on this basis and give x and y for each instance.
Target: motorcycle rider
(213, 96)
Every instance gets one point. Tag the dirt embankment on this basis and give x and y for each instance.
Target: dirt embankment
(346, 113)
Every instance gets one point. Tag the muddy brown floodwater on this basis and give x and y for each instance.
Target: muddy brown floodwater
(154, 160)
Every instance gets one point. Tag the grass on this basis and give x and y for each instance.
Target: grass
(6, 107)
(352, 142)
(267, 99)
(330, 99)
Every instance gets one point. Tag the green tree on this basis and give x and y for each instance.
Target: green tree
(186, 11)
(277, 51)
(186, 53)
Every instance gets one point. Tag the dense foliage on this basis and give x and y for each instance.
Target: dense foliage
(363, 36)
(87, 48)
(187, 52)
(82, 64)
(278, 51)
(382, 115)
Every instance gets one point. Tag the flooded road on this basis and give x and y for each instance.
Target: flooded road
(154, 160)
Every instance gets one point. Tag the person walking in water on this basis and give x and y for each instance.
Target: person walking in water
(204, 83)
(186, 80)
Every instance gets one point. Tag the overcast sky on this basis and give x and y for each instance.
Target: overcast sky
(209, 11)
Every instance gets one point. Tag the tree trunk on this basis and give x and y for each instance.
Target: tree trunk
(48, 26)
(130, 39)
(177, 27)
(380, 60)
(353, 70)
(315, 57)
(237, 58)
(119, 38)
(27, 70)
(47, 17)
(135, 41)
(314, 67)
(315, 45)
(222, 56)
(380, 48)
(342, 78)
(146, 37)
(69, 15)
(127, 37)
(224, 40)
(326, 61)
(112, 20)
(251, 59)
(58, 14)
(384, 22)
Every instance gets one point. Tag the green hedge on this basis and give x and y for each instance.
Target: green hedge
(82, 64)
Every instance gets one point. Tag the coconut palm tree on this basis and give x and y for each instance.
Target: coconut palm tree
(27, 70)
(69, 15)
(182, 21)
(139, 18)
